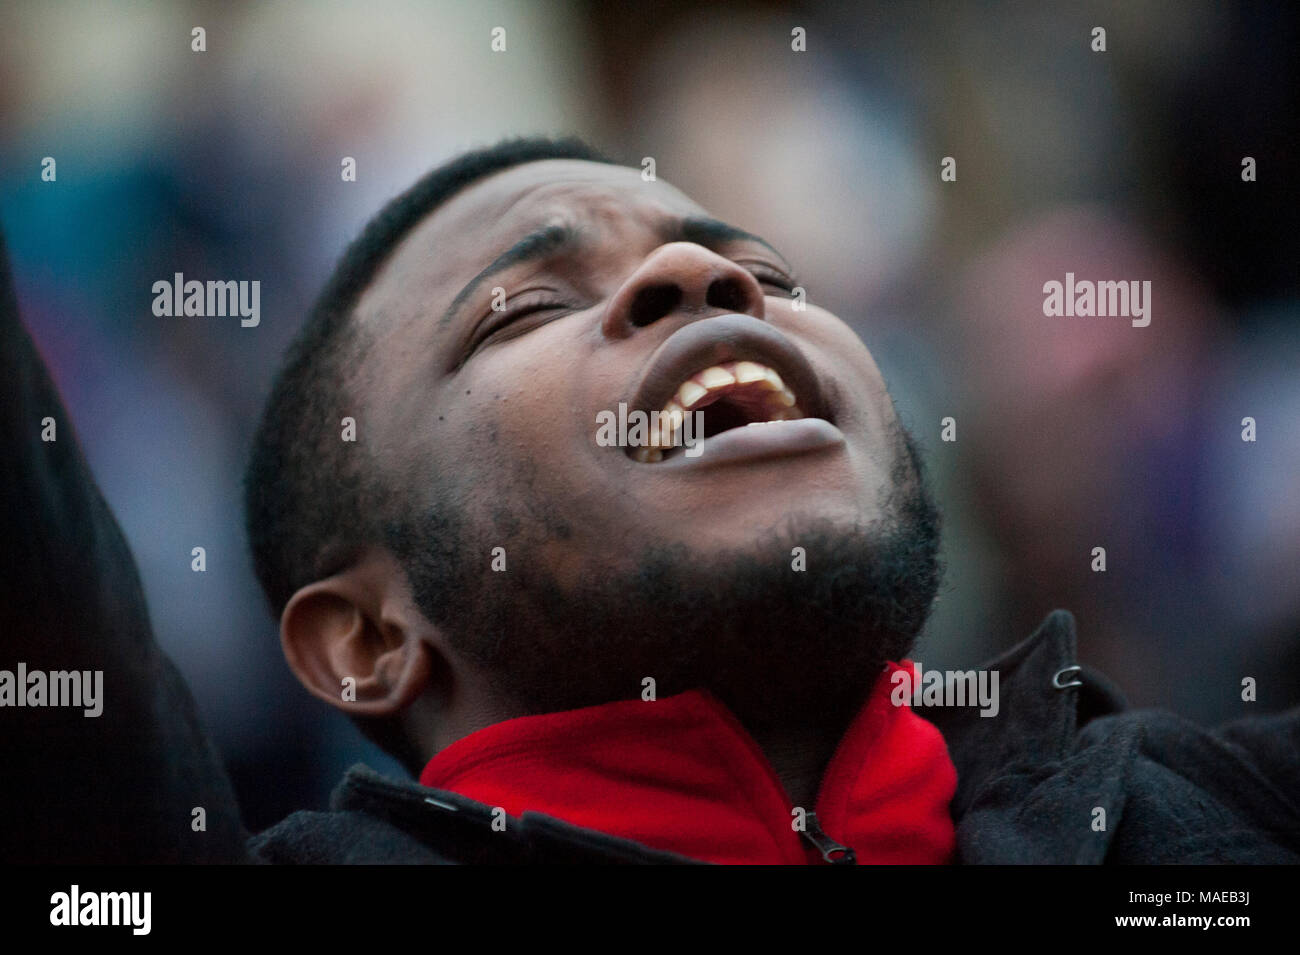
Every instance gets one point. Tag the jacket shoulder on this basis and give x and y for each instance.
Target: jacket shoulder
(339, 837)
(1191, 794)
(1066, 773)
(375, 820)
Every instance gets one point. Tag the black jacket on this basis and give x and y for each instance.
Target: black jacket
(1029, 782)
(123, 787)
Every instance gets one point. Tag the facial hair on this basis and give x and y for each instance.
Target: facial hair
(776, 644)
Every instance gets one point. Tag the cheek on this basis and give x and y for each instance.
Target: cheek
(525, 395)
(524, 445)
(849, 370)
(526, 417)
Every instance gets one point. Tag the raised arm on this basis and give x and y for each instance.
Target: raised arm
(116, 771)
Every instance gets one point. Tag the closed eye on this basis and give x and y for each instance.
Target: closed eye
(770, 276)
(511, 317)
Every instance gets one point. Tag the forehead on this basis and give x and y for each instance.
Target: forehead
(464, 234)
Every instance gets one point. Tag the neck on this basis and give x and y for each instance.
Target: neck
(799, 756)
(800, 751)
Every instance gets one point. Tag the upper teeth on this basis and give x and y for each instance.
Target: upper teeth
(716, 380)
(705, 387)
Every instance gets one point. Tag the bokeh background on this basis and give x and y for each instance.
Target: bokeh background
(1072, 433)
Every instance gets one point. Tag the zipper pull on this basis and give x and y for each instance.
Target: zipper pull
(831, 851)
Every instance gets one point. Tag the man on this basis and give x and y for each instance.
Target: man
(683, 644)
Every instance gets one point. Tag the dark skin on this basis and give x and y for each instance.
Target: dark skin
(512, 399)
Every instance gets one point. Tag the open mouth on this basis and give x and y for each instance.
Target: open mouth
(736, 377)
(735, 394)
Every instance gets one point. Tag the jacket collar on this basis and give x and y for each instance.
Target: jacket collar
(682, 774)
(1013, 768)
(1000, 762)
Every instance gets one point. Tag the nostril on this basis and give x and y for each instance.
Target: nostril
(727, 294)
(654, 302)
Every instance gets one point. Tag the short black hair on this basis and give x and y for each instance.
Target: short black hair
(311, 501)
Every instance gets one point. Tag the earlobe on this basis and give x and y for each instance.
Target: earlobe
(343, 648)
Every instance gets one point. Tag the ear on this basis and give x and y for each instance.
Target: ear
(356, 642)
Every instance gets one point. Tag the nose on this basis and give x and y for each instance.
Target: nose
(681, 276)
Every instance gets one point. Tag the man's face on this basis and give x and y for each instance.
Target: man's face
(617, 291)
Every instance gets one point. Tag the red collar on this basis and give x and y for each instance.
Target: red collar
(681, 774)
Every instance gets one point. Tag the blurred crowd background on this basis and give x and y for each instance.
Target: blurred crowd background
(1071, 433)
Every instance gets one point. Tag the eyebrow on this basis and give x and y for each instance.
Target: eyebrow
(701, 230)
(534, 246)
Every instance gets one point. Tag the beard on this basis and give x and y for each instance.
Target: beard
(778, 645)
